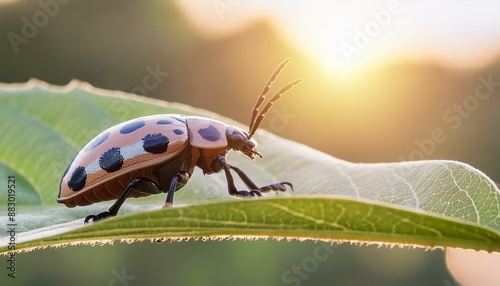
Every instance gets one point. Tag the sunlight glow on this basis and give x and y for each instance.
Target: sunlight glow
(348, 36)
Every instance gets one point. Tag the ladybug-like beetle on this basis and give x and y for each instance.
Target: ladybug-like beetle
(157, 154)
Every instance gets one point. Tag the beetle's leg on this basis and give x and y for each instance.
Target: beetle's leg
(141, 184)
(278, 187)
(233, 191)
(179, 178)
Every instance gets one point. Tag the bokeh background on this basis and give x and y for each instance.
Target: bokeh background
(383, 81)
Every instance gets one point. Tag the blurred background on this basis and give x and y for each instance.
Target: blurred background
(383, 81)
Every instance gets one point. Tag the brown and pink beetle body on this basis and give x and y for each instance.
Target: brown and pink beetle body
(158, 153)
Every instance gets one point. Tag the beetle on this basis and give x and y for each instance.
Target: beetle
(158, 153)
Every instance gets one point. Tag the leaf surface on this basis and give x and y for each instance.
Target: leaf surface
(425, 203)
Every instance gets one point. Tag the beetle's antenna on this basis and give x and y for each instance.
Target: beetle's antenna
(269, 104)
(257, 118)
(265, 91)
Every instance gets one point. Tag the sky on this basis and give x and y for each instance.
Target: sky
(348, 35)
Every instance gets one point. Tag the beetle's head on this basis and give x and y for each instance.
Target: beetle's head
(238, 140)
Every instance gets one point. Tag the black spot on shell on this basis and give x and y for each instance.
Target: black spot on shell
(178, 132)
(78, 178)
(164, 121)
(210, 133)
(155, 143)
(111, 160)
(132, 126)
(97, 141)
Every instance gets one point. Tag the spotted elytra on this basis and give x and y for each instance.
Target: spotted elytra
(158, 153)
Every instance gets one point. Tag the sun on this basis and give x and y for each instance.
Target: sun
(338, 35)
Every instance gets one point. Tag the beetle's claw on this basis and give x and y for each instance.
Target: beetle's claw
(90, 217)
(96, 218)
(288, 184)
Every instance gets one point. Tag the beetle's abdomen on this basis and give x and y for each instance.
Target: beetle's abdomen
(109, 190)
(120, 154)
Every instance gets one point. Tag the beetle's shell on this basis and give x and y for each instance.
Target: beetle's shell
(206, 133)
(103, 168)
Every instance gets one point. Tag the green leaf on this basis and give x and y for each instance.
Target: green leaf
(424, 203)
